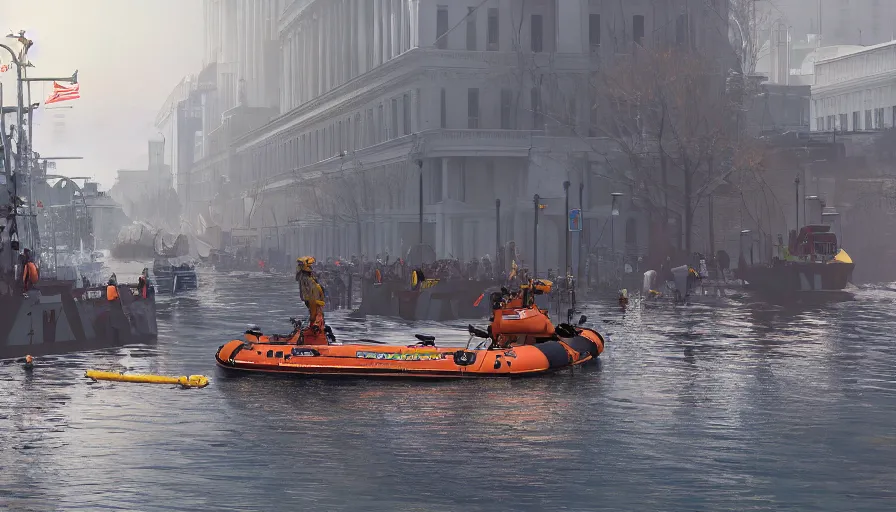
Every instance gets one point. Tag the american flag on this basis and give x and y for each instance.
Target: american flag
(63, 93)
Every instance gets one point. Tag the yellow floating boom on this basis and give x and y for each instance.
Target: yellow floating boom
(193, 381)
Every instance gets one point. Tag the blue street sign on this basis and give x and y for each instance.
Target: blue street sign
(575, 219)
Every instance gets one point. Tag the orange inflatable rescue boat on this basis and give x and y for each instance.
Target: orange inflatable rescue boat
(521, 346)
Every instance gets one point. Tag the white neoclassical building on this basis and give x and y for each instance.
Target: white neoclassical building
(856, 91)
(487, 101)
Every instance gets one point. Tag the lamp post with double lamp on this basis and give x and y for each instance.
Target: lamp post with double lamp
(498, 265)
(568, 266)
(537, 200)
(746, 233)
(614, 212)
(420, 218)
(580, 270)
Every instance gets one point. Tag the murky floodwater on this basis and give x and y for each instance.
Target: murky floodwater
(729, 406)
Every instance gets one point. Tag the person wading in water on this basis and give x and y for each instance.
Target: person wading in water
(312, 294)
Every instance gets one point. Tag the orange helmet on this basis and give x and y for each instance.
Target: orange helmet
(304, 263)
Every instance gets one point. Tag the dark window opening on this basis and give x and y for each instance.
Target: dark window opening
(442, 27)
(473, 108)
(681, 27)
(537, 35)
(594, 32)
(492, 36)
(638, 29)
(471, 28)
(506, 105)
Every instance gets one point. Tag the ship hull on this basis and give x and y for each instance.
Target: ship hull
(177, 281)
(60, 320)
(798, 277)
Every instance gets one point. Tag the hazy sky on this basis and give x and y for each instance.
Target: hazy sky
(130, 54)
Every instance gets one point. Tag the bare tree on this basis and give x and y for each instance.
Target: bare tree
(352, 196)
(669, 113)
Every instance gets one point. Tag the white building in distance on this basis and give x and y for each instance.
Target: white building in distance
(482, 102)
(856, 91)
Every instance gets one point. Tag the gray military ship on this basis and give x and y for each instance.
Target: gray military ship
(62, 312)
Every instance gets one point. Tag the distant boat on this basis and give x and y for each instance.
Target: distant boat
(174, 275)
(814, 262)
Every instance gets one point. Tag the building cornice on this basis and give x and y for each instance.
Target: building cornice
(397, 73)
(853, 84)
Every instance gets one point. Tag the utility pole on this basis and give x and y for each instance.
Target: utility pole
(580, 271)
(568, 266)
(537, 199)
(797, 198)
(498, 234)
(420, 219)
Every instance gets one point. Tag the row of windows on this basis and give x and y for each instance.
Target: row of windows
(873, 119)
(683, 32)
(388, 120)
(492, 29)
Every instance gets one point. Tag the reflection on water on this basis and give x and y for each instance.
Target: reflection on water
(712, 406)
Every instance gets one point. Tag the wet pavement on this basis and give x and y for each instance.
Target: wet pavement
(722, 405)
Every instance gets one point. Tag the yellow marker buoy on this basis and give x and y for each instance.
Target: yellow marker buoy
(193, 381)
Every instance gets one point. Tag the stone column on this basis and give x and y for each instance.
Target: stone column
(328, 47)
(335, 40)
(396, 27)
(351, 40)
(414, 25)
(362, 46)
(347, 31)
(377, 33)
(405, 25)
(302, 71)
(286, 85)
(321, 54)
(387, 30)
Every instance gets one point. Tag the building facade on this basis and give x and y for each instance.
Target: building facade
(386, 104)
(856, 91)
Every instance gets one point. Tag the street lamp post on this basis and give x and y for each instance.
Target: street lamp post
(614, 212)
(420, 219)
(566, 246)
(498, 235)
(743, 234)
(580, 270)
(537, 199)
(796, 182)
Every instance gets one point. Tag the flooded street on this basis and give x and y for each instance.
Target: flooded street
(717, 406)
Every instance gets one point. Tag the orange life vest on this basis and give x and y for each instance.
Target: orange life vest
(111, 292)
(31, 272)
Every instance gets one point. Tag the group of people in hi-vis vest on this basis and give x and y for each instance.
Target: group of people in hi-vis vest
(31, 275)
(143, 286)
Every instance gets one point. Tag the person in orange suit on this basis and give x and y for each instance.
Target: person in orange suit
(30, 274)
(312, 294)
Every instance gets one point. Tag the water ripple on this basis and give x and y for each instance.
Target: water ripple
(729, 405)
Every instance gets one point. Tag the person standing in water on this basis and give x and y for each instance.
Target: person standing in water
(312, 294)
